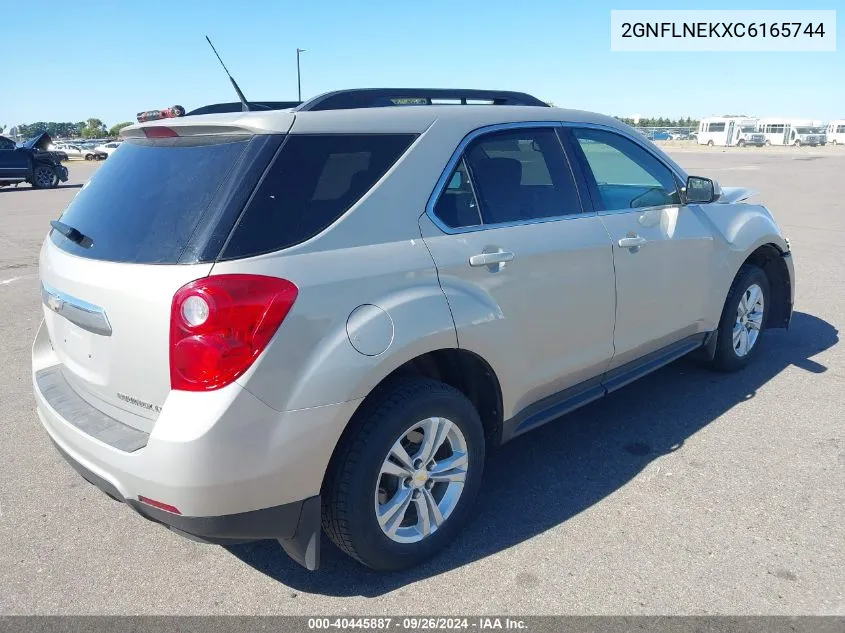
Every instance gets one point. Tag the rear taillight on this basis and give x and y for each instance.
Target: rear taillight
(219, 325)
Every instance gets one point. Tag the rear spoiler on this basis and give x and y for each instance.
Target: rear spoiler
(226, 124)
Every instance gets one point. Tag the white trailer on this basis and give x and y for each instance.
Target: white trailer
(728, 131)
(836, 132)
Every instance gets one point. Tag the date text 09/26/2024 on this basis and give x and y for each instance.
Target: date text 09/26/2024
(416, 624)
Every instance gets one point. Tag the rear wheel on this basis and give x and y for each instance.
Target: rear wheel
(404, 482)
(710, 143)
(44, 177)
(743, 319)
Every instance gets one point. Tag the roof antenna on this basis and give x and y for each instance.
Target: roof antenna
(244, 103)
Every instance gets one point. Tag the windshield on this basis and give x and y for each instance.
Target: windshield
(144, 204)
(804, 130)
(748, 128)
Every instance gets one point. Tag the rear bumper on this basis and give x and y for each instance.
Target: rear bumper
(236, 469)
(279, 522)
(295, 525)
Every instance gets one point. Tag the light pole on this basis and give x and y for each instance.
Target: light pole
(298, 77)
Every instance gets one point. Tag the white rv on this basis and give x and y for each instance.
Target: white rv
(727, 131)
(836, 132)
(798, 132)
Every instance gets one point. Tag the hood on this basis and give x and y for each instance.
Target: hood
(735, 194)
(41, 141)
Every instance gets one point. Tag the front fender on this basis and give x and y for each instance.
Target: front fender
(740, 230)
(744, 227)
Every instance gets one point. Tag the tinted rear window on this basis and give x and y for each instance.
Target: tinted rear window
(145, 202)
(313, 181)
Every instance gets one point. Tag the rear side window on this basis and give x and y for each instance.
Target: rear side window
(312, 182)
(457, 206)
(145, 202)
(521, 175)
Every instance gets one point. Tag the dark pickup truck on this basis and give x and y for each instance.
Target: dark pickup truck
(31, 162)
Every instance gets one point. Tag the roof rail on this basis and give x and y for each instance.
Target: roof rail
(236, 106)
(382, 97)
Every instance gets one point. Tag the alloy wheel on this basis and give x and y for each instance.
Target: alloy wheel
(749, 320)
(421, 480)
(44, 176)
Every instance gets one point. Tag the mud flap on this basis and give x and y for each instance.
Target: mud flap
(304, 546)
(707, 351)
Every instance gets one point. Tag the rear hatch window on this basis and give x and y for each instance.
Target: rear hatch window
(146, 202)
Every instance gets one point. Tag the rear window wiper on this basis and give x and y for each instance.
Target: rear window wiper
(74, 235)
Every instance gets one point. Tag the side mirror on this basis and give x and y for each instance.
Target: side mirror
(701, 190)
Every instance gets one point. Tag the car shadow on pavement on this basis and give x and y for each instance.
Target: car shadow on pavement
(31, 188)
(549, 475)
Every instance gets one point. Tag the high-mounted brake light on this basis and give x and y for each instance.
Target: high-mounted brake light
(219, 325)
(159, 132)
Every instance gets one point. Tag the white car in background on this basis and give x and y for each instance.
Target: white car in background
(109, 148)
(76, 150)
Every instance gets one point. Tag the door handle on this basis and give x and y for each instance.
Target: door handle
(491, 259)
(634, 241)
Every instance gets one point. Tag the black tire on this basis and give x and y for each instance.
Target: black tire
(797, 143)
(89, 156)
(726, 357)
(741, 143)
(45, 177)
(710, 143)
(348, 496)
(768, 143)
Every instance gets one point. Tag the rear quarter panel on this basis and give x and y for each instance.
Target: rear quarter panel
(311, 361)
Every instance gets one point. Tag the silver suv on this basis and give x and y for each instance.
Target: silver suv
(261, 324)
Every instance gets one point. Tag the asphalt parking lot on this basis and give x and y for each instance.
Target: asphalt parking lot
(688, 492)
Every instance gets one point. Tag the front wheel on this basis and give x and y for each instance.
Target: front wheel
(45, 177)
(403, 483)
(89, 156)
(710, 143)
(743, 319)
(741, 144)
(797, 143)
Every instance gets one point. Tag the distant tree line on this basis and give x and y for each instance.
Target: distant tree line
(660, 122)
(91, 128)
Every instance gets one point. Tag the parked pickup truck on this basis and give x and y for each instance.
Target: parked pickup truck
(31, 162)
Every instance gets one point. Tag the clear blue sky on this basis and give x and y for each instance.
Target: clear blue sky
(110, 60)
